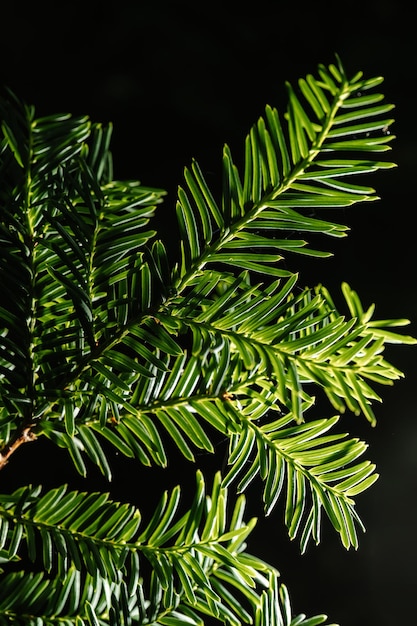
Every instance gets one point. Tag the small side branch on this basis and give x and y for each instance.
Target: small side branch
(23, 436)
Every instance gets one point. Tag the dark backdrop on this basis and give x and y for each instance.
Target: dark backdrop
(178, 80)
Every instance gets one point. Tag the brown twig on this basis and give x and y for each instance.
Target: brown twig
(23, 436)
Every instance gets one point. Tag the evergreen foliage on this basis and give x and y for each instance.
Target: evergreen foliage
(108, 343)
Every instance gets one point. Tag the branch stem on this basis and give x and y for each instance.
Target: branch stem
(24, 435)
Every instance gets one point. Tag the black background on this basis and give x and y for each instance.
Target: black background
(180, 79)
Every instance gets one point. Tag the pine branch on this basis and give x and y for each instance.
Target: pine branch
(279, 165)
(102, 340)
